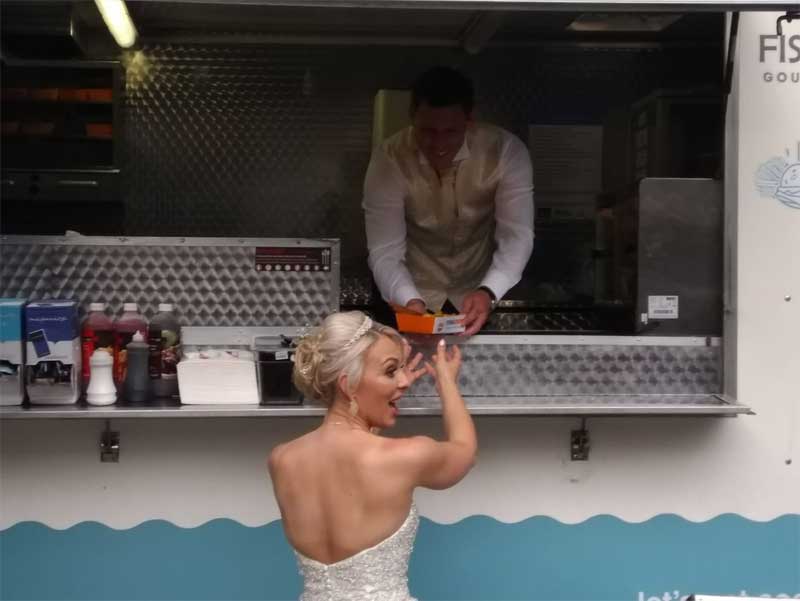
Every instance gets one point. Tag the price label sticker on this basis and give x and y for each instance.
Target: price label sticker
(662, 307)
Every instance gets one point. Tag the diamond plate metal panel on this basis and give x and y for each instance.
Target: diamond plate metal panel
(212, 282)
(549, 321)
(25, 272)
(524, 370)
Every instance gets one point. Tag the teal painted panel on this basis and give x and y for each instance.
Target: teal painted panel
(606, 559)
(156, 560)
(538, 559)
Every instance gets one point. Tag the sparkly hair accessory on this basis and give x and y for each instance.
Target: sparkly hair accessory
(305, 334)
(305, 370)
(302, 333)
(315, 359)
(362, 329)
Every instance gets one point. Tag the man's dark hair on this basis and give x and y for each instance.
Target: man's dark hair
(443, 86)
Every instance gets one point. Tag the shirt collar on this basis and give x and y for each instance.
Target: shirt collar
(462, 154)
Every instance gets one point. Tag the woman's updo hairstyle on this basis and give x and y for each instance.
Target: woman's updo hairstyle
(336, 346)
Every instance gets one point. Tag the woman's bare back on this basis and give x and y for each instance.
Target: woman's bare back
(339, 491)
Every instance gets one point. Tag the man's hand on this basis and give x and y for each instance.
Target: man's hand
(416, 305)
(476, 308)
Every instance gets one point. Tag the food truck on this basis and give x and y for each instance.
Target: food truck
(636, 395)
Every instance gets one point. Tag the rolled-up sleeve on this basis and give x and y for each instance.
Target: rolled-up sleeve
(384, 216)
(514, 220)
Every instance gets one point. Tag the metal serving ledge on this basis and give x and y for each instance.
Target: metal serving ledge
(698, 405)
(501, 375)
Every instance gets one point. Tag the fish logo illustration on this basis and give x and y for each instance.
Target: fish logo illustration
(779, 178)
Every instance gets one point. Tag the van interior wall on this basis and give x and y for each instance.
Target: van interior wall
(275, 141)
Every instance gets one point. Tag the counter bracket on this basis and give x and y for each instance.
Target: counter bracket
(579, 443)
(109, 444)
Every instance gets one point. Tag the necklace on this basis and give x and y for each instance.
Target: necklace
(352, 426)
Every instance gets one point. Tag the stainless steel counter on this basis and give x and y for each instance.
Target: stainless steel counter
(502, 375)
(608, 405)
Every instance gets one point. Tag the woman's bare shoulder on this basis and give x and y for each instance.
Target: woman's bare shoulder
(407, 449)
(430, 463)
(408, 442)
(285, 452)
(275, 458)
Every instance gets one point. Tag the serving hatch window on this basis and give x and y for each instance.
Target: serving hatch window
(256, 120)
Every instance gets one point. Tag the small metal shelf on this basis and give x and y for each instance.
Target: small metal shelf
(57, 102)
(558, 405)
(45, 139)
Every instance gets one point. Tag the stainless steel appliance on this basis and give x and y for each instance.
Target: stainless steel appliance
(679, 256)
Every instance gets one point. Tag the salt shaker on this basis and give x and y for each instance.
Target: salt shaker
(101, 389)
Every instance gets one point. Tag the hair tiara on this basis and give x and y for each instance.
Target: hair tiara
(362, 329)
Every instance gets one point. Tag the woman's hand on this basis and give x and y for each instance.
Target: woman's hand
(412, 372)
(446, 364)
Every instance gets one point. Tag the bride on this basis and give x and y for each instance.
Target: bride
(345, 493)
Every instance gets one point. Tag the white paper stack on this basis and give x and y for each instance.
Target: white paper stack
(218, 377)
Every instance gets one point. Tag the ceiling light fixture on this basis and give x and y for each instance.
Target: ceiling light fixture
(118, 21)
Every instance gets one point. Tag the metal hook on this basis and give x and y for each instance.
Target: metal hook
(788, 17)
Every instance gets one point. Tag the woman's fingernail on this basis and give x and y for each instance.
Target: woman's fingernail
(441, 342)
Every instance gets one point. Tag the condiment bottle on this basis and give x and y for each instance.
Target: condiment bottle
(137, 375)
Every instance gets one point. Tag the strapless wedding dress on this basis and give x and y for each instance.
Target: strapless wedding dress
(379, 573)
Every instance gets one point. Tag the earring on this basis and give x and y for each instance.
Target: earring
(353, 409)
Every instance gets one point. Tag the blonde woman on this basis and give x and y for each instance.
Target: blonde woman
(346, 494)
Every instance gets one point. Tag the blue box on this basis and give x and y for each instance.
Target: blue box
(12, 351)
(52, 352)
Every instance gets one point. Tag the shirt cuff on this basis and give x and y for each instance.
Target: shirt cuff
(497, 283)
(405, 294)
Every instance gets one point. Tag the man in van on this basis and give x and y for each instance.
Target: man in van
(448, 205)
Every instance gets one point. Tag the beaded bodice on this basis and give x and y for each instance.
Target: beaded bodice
(379, 573)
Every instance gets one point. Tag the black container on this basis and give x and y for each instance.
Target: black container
(274, 368)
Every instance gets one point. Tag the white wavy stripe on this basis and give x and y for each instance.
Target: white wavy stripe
(189, 472)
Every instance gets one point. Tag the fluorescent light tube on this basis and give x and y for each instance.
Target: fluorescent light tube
(118, 21)
(622, 22)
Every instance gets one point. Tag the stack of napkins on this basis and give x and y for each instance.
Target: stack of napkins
(218, 377)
